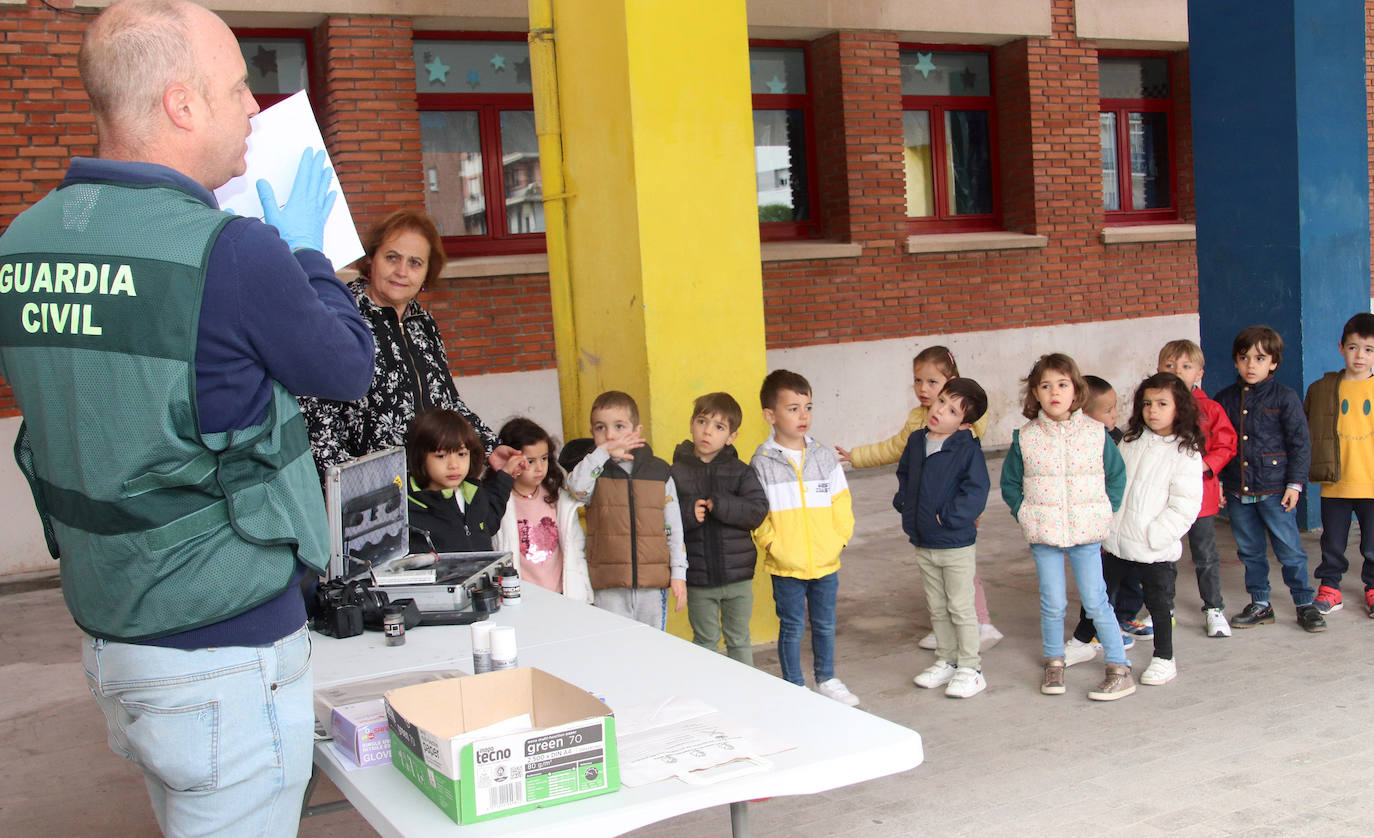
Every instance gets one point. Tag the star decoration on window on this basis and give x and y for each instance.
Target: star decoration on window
(522, 71)
(438, 70)
(776, 86)
(924, 65)
(265, 61)
(474, 79)
(498, 63)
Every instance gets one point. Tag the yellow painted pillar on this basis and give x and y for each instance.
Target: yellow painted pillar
(664, 285)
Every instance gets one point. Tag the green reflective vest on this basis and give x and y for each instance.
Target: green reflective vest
(159, 528)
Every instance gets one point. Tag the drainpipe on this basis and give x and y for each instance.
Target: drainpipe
(544, 79)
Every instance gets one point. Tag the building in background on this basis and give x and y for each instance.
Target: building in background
(1005, 177)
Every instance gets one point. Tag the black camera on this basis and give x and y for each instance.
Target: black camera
(344, 609)
(340, 607)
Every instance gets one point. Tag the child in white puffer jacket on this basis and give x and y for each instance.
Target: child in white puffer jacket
(1162, 450)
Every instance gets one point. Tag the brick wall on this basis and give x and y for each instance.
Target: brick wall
(44, 116)
(1046, 91)
(1047, 106)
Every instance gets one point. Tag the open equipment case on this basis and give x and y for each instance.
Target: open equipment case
(369, 535)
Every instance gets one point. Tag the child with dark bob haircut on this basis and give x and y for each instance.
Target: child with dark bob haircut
(458, 515)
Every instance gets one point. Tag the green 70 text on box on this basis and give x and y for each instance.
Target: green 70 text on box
(568, 752)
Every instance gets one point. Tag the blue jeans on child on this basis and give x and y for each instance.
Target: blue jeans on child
(1086, 561)
(1336, 514)
(223, 736)
(795, 600)
(1249, 523)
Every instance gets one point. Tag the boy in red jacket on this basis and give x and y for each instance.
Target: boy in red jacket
(1184, 359)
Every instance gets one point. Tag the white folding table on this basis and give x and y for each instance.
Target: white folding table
(625, 663)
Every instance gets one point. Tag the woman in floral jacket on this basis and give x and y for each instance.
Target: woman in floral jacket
(404, 252)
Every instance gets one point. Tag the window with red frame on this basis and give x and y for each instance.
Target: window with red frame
(480, 155)
(278, 63)
(948, 139)
(784, 168)
(1136, 120)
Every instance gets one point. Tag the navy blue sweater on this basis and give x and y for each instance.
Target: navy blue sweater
(265, 314)
(941, 496)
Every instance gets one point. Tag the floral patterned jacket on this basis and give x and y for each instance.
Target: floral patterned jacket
(411, 374)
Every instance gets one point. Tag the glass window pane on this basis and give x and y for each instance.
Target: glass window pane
(451, 153)
(777, 70)
(920, 168)
(968, 164)
(472, 67)
(780, 166)
(936, 73)
(275, 65)
(520, 171)
(1133, 78)
(1149, 134)
(1111, 194)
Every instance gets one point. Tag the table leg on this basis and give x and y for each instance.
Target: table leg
(739, 820)
(308, 811)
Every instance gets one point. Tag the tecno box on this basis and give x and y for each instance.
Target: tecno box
(568, 752)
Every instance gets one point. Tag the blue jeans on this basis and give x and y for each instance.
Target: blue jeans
(795, 600)
(224, 736)
(1086, 561)
(1249, 523)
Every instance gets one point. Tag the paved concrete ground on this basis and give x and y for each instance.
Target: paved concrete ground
(1270, 732)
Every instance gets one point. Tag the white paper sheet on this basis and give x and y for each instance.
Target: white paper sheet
(694, 745)
(280, 135)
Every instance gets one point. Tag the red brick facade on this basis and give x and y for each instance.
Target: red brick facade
(1048, 153)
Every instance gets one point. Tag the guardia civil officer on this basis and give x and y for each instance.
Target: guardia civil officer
(154, 344)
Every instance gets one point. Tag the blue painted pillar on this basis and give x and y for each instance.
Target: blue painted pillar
(1280, 160)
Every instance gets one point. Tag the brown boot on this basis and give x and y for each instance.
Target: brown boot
(1117, 683)
(1052, 682)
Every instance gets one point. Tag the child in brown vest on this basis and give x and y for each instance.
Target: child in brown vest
(634, 527)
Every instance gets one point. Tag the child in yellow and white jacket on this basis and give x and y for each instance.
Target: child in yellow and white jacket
(810, 520)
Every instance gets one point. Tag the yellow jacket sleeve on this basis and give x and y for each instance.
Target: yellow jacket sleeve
(889, 450)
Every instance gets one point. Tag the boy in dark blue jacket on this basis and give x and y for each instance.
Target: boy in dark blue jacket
(1263, 480)
(942, 488)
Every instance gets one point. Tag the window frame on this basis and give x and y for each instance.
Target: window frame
(943, 221)
(1123, 108)
(770, 231)
(488, 107)
(313, 79)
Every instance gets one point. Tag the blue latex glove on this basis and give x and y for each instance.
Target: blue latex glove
(301, 220)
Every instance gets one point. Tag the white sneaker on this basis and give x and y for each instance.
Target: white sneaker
(935, 675)
(1076, 651)
(988, 635)
(928, 642)
(1217, 624)
(835, 689)
(1159, 672)
(966, 683)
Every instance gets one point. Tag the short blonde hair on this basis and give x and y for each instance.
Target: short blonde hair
(1181, 349)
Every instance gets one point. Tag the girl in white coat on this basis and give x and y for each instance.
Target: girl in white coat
(540, 527)
(1162, 450)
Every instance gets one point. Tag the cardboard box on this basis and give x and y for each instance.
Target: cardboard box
(361, 731)
(570, 753)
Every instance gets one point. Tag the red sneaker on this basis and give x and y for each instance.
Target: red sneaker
(1328, 599)
(1369, 601)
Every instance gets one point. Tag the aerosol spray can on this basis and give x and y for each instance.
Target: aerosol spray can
(503, 655)
(481, 647)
